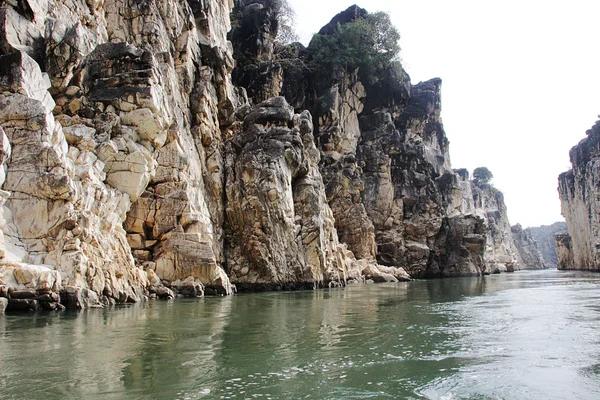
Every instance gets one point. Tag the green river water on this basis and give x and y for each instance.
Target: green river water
(526, 335)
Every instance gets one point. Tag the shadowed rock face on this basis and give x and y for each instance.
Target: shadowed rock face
(352, 13)
(385, 164)
(564, 250)
(580, 205)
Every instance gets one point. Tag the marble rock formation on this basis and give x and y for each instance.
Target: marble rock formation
(385, 163)
(544, 236)
(112, 117)
(136, 162)
(580, 205)
(531, 256)
(564, 250)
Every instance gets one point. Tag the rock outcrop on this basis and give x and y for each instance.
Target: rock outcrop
(386, 166)
(544, 236)
(527, 246)
(114, 184)
(580, 205)
(136, 162)
(564, 251)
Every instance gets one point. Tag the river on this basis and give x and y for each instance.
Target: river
(526, 335)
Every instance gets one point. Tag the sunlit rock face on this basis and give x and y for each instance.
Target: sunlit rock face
(112, 117)
(580, 205)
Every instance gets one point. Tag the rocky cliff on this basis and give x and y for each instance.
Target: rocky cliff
(578, 189)
(384, 158)
(544, 236)
(136, 161)
(528, 248)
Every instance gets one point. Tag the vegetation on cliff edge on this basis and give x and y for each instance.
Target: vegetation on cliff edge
(369, 43)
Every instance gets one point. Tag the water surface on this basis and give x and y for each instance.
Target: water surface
(527, 335)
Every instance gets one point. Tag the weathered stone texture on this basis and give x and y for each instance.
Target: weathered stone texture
(132, 166)
(531, 257)
(580, 204)
(277, 211)
(544, 236)
(106, 178)
(564, 251)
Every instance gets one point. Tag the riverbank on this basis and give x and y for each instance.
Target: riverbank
(73, 298)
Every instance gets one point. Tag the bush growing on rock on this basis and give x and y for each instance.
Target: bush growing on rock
(369, 43)
(286, 32)
(482, 175)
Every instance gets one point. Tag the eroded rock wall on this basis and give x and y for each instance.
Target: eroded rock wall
(528, 249)
(132, 165)
(564, 251)
(115, 113)
(544, 236)
(580, 205)
(384, 159)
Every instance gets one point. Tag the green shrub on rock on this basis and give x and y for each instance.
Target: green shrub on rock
(369, 43)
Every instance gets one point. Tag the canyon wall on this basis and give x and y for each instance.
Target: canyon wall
(580, 205)
(544, 236)
(528, 248)
(384, 158)
(136, 162)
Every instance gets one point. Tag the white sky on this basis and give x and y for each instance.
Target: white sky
(521, 83)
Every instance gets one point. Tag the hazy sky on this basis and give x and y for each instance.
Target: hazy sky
(521, 83)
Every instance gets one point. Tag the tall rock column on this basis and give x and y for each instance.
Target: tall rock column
(580, 204)
(281, 231)
(404, 150)
(338, 133)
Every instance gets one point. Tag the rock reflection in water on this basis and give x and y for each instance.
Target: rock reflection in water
(527, 335)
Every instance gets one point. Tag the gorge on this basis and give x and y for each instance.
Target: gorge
(160, 148)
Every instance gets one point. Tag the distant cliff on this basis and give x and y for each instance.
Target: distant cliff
(544, 236)
(528, 247)
(580, 204)
(151, 151)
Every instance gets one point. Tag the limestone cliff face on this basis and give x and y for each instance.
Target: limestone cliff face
(580, 205)
(277, 212)
(527, 246)
(135, 161)
(384, 159)
(115, 112)
(544, 236)
(131, 165)
(564, 251)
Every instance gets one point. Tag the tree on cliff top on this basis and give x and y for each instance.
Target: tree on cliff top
(369, 43)
(482, 175)
(286, 17)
